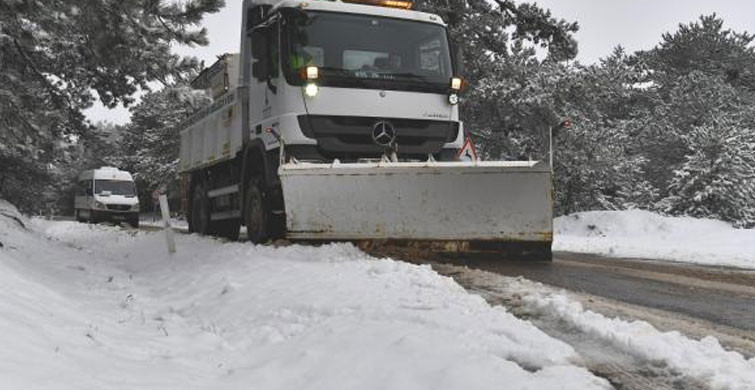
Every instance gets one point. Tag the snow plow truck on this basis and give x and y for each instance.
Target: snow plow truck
(339, 121)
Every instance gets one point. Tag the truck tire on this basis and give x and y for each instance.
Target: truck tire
(256, 212)
(78, 216)
(200, 211)
(229, 229)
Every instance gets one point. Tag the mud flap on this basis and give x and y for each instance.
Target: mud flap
(452, 206)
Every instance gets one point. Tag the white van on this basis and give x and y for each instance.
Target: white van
(107, 194)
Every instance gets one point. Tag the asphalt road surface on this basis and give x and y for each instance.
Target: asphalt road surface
(720, 295)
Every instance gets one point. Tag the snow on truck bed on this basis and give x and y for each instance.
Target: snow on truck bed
(642, 234)
(96, 307)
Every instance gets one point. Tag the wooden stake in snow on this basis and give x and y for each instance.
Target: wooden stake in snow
(169, 235)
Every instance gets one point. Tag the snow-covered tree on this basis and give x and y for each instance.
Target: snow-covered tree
(150, 143)
(504, 44)
(717, 180)
(706, 47)
(57, 56)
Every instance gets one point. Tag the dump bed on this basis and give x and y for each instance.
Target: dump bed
(214, 133)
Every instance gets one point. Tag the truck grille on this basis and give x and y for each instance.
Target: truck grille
(347, 135)
(118, 207)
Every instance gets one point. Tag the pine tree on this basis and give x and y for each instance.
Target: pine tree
(150, 143)
(57, 56)
(717, 180)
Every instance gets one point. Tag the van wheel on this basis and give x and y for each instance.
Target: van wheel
(200, 211)
(134, 222)
(256, 212)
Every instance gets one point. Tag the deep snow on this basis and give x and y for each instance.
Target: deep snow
(642, 234)
(97, 307)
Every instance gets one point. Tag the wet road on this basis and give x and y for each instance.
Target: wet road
(720, 295)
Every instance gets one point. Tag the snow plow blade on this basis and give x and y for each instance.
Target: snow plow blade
(499, 208)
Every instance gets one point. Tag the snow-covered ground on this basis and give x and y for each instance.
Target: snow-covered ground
(642, 234)
(99, 307)
(176, 223)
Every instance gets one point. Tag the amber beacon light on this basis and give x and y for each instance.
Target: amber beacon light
(383, 3)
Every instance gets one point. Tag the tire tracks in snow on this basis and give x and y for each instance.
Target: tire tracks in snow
(624, 369)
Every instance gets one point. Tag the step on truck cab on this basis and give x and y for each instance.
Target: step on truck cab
(106, 194)
(339, 120)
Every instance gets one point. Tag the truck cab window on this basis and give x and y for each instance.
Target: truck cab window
(430, 57)
(365, 51)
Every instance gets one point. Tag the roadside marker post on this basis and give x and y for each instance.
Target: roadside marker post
(169, 234)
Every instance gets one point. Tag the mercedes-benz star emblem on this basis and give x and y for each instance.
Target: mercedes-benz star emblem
(383, 133)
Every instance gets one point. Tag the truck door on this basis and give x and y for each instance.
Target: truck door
(266, 86)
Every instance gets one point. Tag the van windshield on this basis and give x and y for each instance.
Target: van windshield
(116, 187)
(361, 51)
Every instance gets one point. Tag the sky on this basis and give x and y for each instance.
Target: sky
(604, 24)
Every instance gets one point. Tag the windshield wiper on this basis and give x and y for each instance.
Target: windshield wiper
(409, 76)
(345, 73)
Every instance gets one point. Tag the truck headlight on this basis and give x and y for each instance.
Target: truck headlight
(453, 99)
(135, 207)
(99, 205)
(311, 90)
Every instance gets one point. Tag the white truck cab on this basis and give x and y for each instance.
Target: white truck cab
(106, 194)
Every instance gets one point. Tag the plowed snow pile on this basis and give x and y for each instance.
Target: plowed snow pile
(642, 234)
(96, 307)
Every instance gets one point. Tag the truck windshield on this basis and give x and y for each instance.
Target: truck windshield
(116, 187)
(362, 51)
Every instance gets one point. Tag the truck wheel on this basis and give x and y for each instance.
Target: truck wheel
(78, 216)
(200, 211)
(230, 229)
(256, 212)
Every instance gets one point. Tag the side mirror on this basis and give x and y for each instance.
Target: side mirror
(259, 43)
(260, 71)
(89, 192)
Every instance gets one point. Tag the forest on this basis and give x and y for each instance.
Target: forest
(670, 129)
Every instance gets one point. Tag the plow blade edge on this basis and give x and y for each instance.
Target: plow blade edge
(495, 207)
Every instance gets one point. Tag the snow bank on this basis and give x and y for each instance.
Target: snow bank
(703, 359)
(643, 234)
(10, 212)
(85, 306)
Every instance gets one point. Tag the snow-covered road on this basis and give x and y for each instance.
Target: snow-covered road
(99, 307)
(632, 353)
